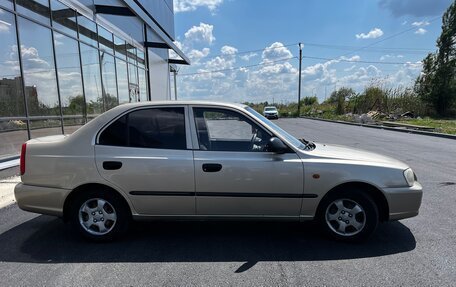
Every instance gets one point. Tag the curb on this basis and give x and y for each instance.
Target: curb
(432, 134)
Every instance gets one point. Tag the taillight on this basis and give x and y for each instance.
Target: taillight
(22, 161)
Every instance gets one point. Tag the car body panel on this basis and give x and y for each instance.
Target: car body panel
(147, 173)
(61, 164)
(244, 185)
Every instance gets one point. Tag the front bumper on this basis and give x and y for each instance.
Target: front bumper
(404, 202)
(271, 116)
(38, 199)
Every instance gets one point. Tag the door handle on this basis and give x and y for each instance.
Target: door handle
(212, 167)
(112, 165)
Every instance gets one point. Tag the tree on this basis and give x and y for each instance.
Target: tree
(437, 83)
(308, 101)
(339, 97)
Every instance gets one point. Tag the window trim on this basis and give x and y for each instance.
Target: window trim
(251, 120)
(186, 123)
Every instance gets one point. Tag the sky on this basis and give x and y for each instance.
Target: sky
(247, 50)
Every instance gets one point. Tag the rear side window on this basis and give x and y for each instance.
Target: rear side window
(162, 128)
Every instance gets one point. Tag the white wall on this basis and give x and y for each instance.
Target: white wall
(159, 75)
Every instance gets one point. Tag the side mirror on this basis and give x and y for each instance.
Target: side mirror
(276, 145)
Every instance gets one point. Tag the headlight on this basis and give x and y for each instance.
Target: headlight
(409, 176)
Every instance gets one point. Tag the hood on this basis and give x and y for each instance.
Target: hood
(348, 153)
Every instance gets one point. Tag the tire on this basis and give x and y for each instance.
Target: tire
(100, 215)
(348, 215)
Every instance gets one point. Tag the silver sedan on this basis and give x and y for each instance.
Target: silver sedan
(206, 160)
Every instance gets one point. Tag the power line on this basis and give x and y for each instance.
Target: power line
(347, 47)
(356, 61)
(389, 37)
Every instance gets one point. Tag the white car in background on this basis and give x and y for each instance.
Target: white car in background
(207, 160)
(271, 112)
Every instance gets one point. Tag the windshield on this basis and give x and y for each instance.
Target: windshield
(270, 109)
(291, 139)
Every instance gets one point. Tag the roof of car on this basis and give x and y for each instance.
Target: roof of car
(179, 102)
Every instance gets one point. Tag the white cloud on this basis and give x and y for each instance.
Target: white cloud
(201, 33)
(248, 56)
(350, 68)
(275, 52)
(196, 55)
(388, 56)
(192, 5)
(420, 23)
(4, 26)
(374, 33)
(421, 31)
(351, 59)
(228, 50)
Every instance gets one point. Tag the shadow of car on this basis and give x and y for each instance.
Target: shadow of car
(45, 239)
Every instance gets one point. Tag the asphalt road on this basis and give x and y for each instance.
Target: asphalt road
(42, 251)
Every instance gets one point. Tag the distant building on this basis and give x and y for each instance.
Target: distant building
(78, 59)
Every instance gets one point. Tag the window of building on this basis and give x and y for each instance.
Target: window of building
(64, 18)
(122, 81)
(133, 86)
(140, 58)
(69, 75)
(11, 97)
(142, 85)
(13, 128)
(87, 31)
(7, 4)
(48, 127)
(131, 53)
(224, 130)
(39, 70)
(92, 80)
(162, 128)
(106, 40)
(36, 9)
(120, 48)
(109, 85)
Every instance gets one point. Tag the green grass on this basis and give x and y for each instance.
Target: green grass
(442, 126)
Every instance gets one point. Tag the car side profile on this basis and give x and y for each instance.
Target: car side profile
(207, 160)
(271, 112)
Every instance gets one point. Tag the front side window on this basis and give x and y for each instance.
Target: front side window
(225, 130)
(162, 128)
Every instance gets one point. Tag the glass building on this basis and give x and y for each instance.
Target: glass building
(62, 63)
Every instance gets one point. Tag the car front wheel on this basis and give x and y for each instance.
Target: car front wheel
(348, 215)
(100, 215)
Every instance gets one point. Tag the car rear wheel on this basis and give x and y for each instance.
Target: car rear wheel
(99, 215)
(348, 215)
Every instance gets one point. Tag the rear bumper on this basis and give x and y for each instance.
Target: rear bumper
(38, 199)
(404, 202)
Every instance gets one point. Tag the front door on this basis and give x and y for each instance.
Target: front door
(146, 153)
(235, 174)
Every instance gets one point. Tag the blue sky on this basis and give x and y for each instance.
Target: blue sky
(346, 43)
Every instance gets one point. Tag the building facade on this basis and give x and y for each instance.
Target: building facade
(64, 62)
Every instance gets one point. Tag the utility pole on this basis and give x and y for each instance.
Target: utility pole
(299, 84)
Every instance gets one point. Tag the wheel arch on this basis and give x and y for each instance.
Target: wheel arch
(376, 194)
(86, 188)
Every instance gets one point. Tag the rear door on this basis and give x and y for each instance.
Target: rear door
(235, 174)
(147, 153)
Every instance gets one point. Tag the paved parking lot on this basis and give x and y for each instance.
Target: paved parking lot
(42, 251)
